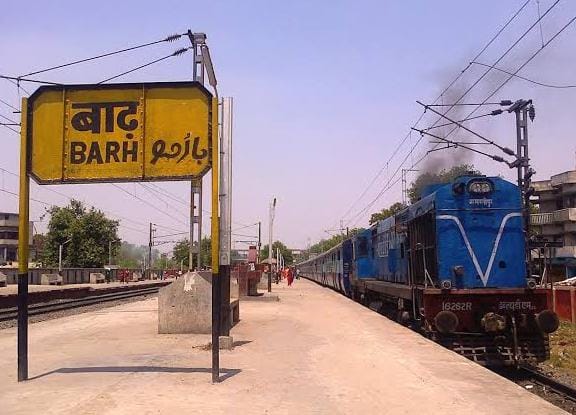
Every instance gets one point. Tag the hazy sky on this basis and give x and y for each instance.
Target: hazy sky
(324, 92)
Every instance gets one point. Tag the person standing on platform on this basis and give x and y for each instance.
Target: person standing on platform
(289, 276)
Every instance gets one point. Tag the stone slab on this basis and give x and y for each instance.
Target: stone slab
(97, 278)
(185, 306)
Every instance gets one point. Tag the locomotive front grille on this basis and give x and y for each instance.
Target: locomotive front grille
(491, 351)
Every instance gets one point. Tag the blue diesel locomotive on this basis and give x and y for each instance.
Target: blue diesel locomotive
(452, 264)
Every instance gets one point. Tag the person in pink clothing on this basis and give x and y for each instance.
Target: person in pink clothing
(289, 276)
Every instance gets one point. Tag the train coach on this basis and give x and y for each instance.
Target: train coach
(453, 265)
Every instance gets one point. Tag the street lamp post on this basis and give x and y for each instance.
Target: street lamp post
(271, 225)
(60, 254)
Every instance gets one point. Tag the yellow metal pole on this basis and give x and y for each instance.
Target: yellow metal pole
(216, 283)
(23, 243)
(215, 189)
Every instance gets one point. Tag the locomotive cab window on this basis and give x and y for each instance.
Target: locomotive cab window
(362, 246)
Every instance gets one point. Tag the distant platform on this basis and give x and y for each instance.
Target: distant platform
(314, 352)
(12, 289)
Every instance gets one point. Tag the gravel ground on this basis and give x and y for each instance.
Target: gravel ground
(78, 310)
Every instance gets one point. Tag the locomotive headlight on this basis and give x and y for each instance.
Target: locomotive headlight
(547, 321)
(480, 187)
(446, 322)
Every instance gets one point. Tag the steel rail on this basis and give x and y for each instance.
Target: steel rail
(60, 305)
(555, 385)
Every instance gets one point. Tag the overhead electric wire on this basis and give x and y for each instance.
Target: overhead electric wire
(55, 205)
(33, 81)
(48, 188)
(526, 79)
(176, 53)
(18, 86)
(513, 74)
(386, 186)
(495, 91)
(155, 194)
(170, 38)
(8, 119)
(408, 135)
(9, 105)
(11, 121)
(149, 204)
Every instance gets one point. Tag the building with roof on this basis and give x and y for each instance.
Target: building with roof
(556, 220)
(9, 237)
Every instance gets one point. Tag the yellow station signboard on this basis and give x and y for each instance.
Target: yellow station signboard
(120, 132)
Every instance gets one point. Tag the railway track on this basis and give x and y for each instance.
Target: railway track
(548, 388)
(559, 388)
(60, 305)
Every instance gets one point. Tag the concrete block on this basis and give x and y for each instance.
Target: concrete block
(234, 289)
(97, 278)
(51, 279)
(185, 306)
(3, 280)
(226, 342)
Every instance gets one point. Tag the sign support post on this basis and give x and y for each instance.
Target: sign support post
(215, 231)
(23, 236)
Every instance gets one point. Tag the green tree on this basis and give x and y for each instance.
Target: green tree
(386, 212)
(88, 231)
(180, 252)
(286, 253)
(444, 176)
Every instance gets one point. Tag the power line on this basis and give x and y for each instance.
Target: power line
(149, 204)
(176, 53)
(18, 86)
(9, 105)
(8, 119)
(513, 74)
(387, 185)
(33, 81)
(524, 78)
(497, 89)
(170, 38)
(55, 205)
(408, 135)
(154, 193)
(48, 188)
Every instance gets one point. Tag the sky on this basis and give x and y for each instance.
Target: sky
(324, 97)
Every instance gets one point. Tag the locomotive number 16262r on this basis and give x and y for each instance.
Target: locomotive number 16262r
(456, 306)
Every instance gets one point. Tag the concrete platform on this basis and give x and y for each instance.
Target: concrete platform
(314, 352)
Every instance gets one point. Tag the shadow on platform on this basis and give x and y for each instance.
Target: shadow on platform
(224, 373)
(241, 342)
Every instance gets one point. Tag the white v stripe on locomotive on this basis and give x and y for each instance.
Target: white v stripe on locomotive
(483, 275)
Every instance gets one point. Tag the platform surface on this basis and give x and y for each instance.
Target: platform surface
(313, 352)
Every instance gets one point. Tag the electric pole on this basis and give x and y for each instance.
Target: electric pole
(259, 239)
(524, 110)
(271, 213)
(150, 244)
